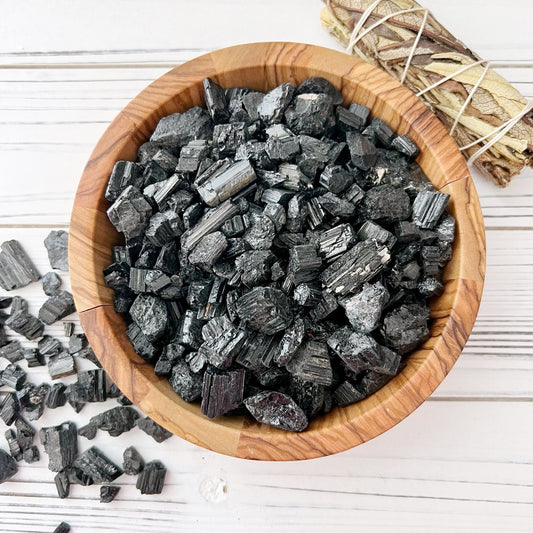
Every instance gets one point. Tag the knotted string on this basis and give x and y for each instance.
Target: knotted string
(497, 134)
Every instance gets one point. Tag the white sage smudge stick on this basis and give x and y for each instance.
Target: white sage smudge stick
(489, 119)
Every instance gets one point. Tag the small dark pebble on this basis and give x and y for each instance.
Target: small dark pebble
(132, 462)
(157, 432)
(108, 493)
(151, 478)
(62, 528)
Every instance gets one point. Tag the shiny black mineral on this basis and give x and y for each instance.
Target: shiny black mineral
(279, 253)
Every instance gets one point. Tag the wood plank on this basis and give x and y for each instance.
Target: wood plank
(433, 468)
(222, 23)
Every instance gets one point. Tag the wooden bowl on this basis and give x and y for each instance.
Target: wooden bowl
(263, 66)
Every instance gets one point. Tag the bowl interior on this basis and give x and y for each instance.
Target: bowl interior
(261, 67)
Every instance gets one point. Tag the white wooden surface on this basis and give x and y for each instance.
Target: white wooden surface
(462, 462)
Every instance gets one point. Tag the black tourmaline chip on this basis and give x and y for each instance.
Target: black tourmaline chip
(16, 268)
(275, 102)
(280, 250)
(56, 396)
(12, 351)
(57, 307)
(222, 392)
(387, 203)
(62, 483)
(363, 310)
(363, 153)
(61, 445)
(428, 207)
(25, 433)
(20, 321)
(265, 309)
(405, 327)
(13, 376)
(108, 493)
(114, 421)
(94, 464)
(63, 527)
(8, 466)
(57, 245)
(152, 478)
(90, 387)
(215, 100)
(132, 462)
(311, 363)
(276, 409)
(361, 263)
(185, 382)
(31, 455)
(33, 357)
(14, 448)
(9, 408)
(157, 432)
(51, 283)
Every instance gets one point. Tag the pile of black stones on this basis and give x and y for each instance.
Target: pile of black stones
(280, 251)
(22, 402)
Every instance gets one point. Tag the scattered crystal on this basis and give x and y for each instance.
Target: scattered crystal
(97, 466)
(56, 396)
(51, 283)
(61, 445)
(9, 408)
(33, 357)
(152, 478)
(62, 484)
(16, 268)
(8, 466)
(13, 376)
(14, 448)
(31, 455)
(57, 307)
(108, 493)
(132, 462)
(12, 351)
(157, 432)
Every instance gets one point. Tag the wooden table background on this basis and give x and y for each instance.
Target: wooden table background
(462, 462)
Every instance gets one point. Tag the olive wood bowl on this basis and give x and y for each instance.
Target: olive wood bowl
(263, 66)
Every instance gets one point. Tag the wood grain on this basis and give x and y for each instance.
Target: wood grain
(263, 66)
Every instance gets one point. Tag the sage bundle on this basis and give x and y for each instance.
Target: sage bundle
(489, 119)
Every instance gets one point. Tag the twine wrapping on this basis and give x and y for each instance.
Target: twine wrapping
(489, 119)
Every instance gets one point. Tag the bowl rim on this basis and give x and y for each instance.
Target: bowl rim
(453, 313)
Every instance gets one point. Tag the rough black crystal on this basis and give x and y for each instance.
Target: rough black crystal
(152, 478)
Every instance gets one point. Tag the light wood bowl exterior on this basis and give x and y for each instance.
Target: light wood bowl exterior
(263, 66)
